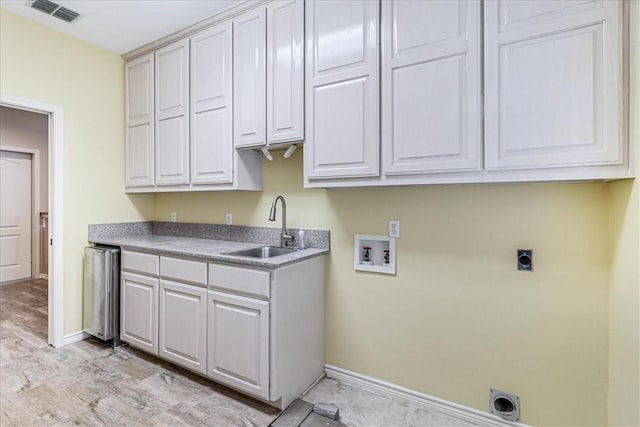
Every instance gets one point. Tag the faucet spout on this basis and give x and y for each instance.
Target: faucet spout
(286, 239)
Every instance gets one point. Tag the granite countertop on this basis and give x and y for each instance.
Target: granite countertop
(204, 249)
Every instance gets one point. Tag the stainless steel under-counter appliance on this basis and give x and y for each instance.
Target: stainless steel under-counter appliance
(101, 294)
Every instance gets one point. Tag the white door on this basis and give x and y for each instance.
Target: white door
(172, 114)
(553, 92)
(285, 71)
(212, 106)
(183, 325)
(139, 311)
(15, 216)
(238, 342)
(342, 94)
(139, 105)
(431, 86)
(249, 79)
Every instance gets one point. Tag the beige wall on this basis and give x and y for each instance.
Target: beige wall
(457, 319)
(624, 297)
(41, 64)
(24, 129)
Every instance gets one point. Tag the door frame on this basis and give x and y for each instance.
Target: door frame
(35, 204)
(55, 209)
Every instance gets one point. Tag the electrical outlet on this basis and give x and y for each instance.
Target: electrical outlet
(229, 219)
(525, 260)
(394, 228)
(174, 217)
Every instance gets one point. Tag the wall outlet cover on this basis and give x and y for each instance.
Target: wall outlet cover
(229, 219)
(394, 229)
(174, 217)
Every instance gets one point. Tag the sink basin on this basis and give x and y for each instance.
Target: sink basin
(263, 252)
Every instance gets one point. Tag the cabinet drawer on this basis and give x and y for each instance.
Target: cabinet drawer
(140, 262)
(184, 270)
(239, 279)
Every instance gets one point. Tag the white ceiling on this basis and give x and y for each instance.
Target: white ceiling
(123, 25)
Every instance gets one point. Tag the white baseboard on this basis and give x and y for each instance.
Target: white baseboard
(401, 394)
(44, 276)
(75, 337)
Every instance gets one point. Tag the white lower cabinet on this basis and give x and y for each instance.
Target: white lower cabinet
(260, 332)
(183, 325)
(238, 342)
(139, 311)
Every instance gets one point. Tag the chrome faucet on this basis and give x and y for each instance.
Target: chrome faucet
(286, 239)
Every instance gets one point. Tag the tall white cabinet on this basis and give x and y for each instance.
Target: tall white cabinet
(139, 105)
(172, 114)
(431, 86)
(212, 106)
(553, 83)
(342, 95)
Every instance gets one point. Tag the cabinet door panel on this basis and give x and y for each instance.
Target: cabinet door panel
(515, 13)
(139, 312)
(342, 96)
(249, 78)
(238, 342)
(211, 68)
(139, 90)
(183, 322)
(212, 151)
(431, 94)
(339, 34)
(341, 132)
(285, 91)
(172, 154)
(552, 78)
(172, 80)
(211, 106)
(140, 156)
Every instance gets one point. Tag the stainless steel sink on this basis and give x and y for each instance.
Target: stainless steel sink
(263, 252)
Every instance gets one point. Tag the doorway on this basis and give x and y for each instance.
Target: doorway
(52, 208)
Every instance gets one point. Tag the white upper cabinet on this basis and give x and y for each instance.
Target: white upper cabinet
(342, 93)
(172, 114)
(212, 106)
(139, 105)
(431, 86)
(249, 78)
(285, 75)
(553, 84)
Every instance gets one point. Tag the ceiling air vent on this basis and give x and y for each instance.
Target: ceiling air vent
(54, 9)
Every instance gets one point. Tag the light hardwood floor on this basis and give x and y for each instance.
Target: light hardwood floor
(88, 383)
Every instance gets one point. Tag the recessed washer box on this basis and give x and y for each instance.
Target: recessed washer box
(374, 253)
